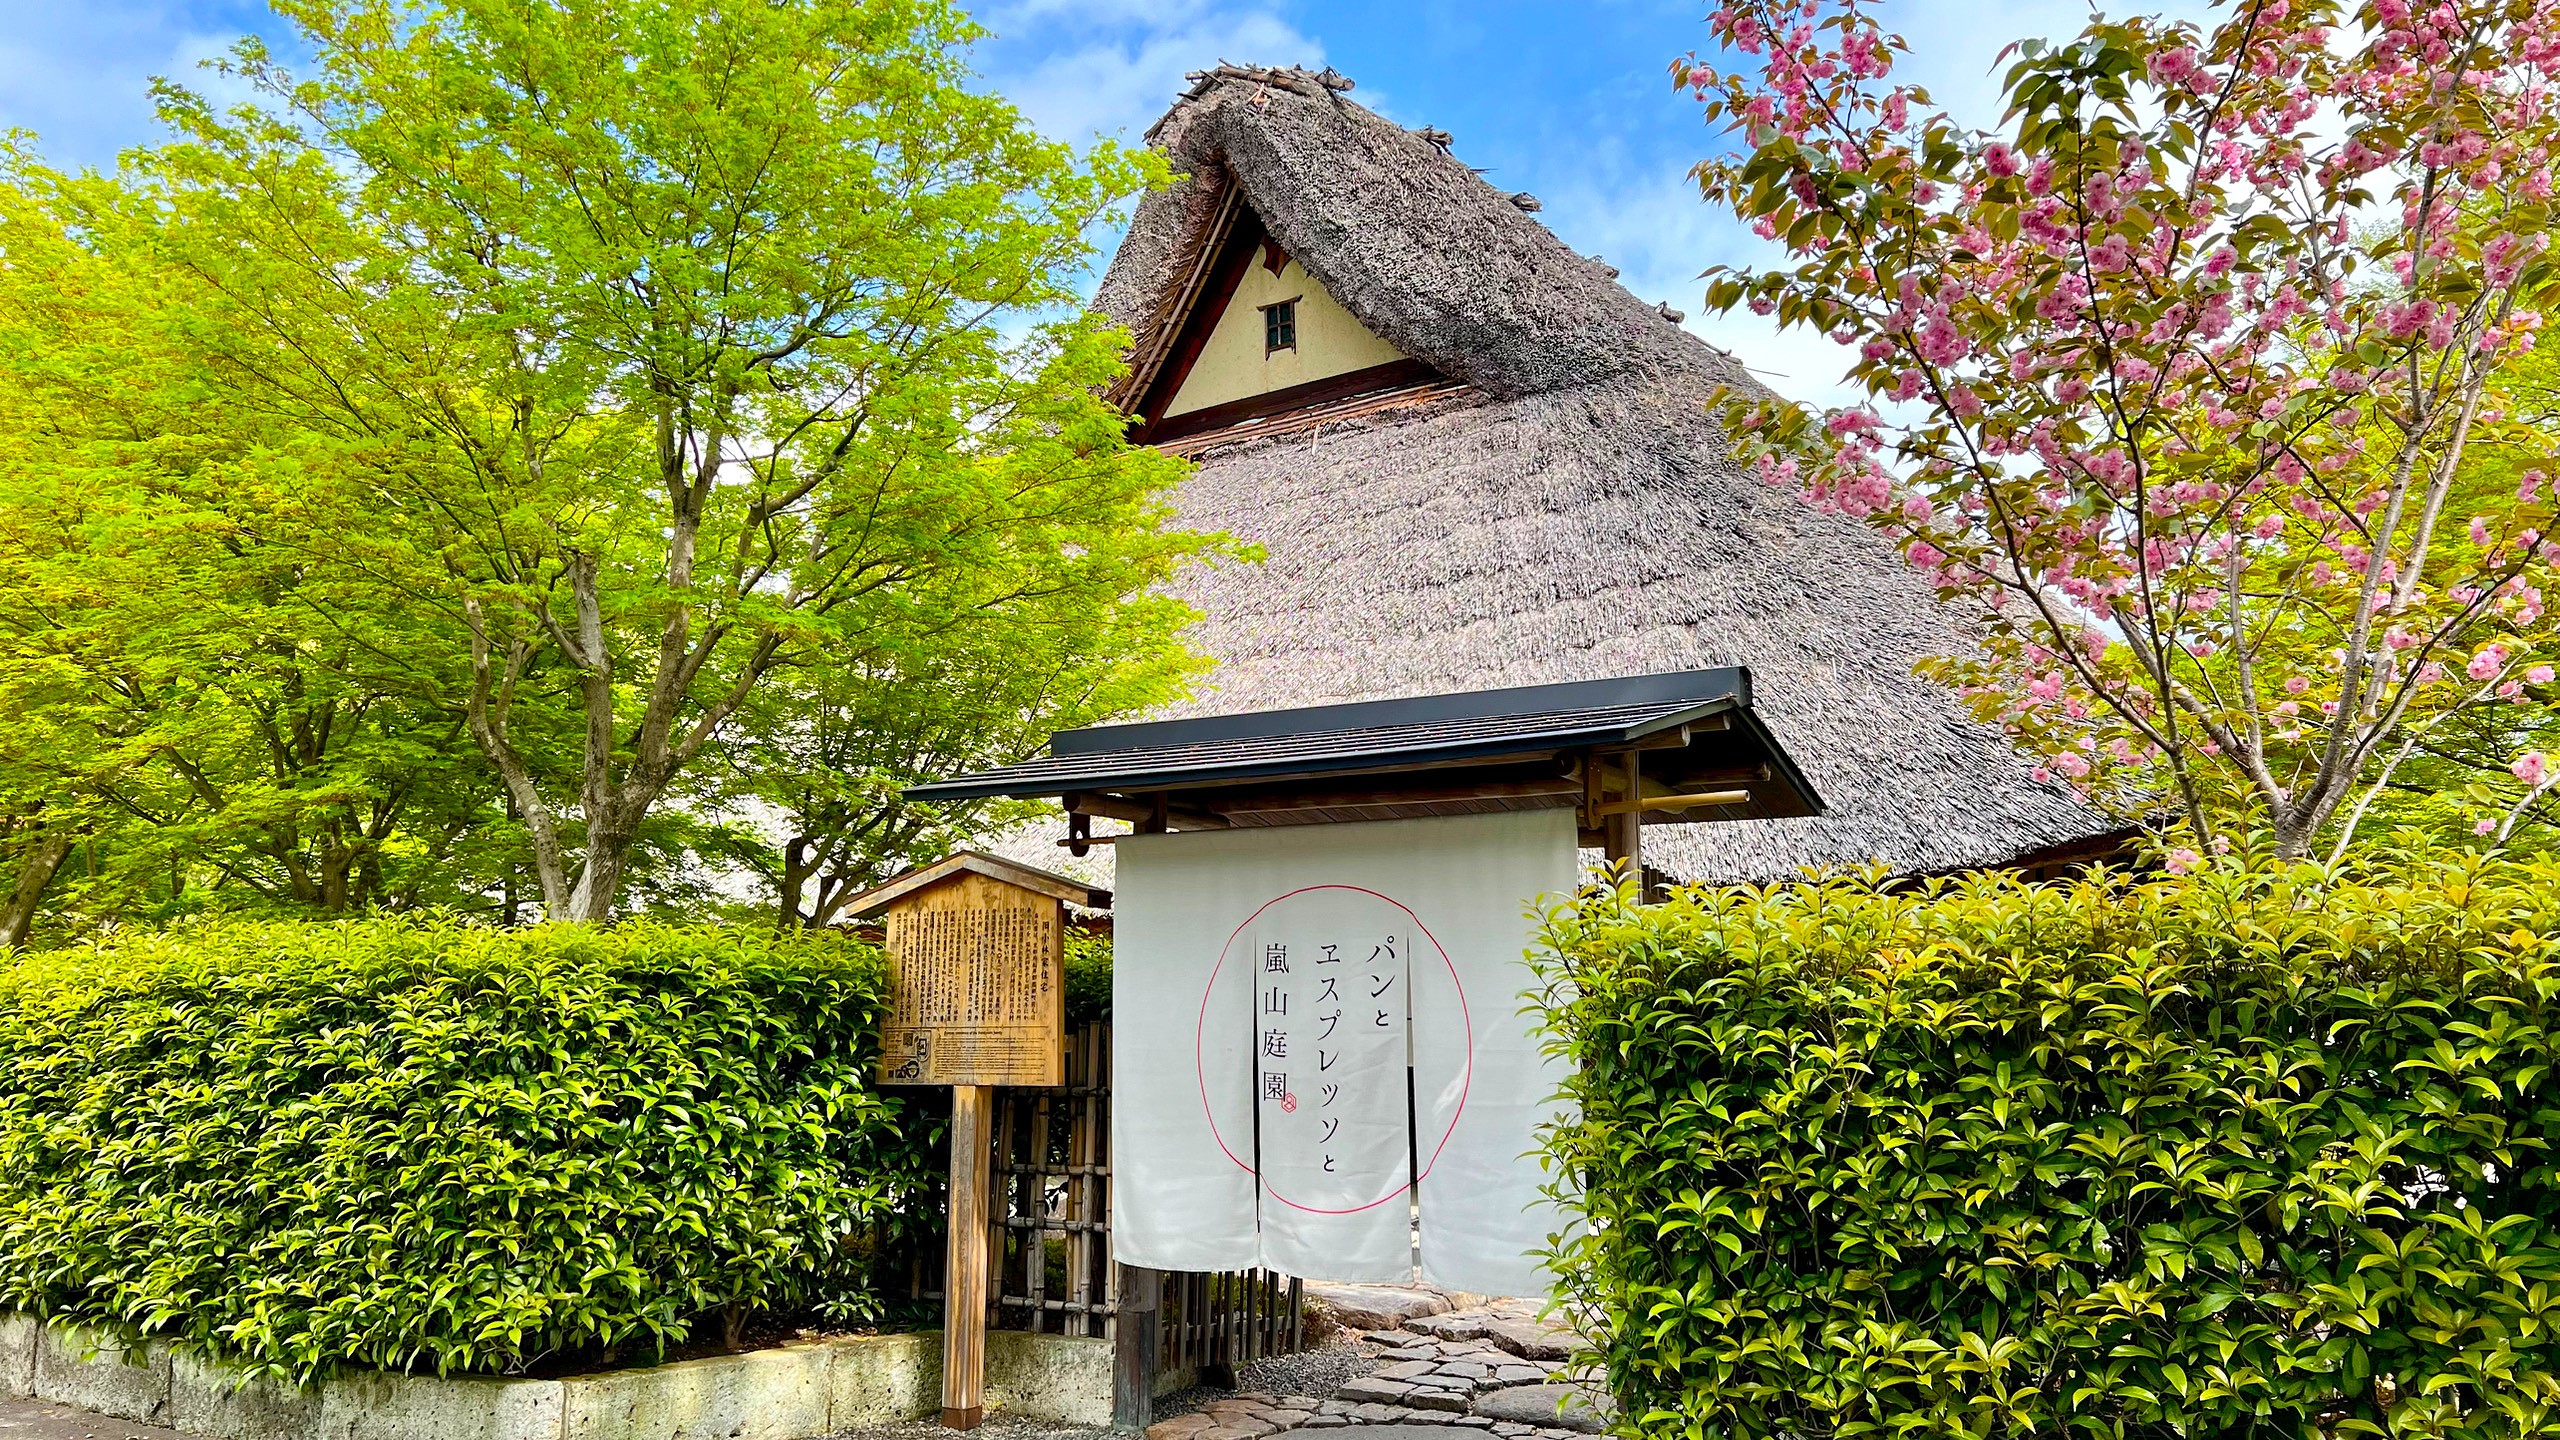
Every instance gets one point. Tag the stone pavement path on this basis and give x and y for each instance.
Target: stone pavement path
(1489, 1367)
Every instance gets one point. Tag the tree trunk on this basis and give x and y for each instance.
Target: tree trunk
(600, 878)
(592, 899)
(797, 867)
(18, 915)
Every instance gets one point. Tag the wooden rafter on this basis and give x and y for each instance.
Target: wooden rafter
(1147, 362)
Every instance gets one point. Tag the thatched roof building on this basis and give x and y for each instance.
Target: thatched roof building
(1477, 461)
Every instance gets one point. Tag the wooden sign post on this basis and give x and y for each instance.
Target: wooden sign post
(964, 1270)
(977, 999)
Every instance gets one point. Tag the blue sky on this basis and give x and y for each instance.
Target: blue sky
(1568, 99)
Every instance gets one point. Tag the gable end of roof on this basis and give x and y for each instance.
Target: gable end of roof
(1416, 245)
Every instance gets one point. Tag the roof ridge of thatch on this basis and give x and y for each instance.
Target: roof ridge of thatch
(1415, 244)
(1296, 78)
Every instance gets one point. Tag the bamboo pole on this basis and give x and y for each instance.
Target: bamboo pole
(1677, 802)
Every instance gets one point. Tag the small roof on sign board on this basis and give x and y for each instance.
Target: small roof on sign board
(977, 862)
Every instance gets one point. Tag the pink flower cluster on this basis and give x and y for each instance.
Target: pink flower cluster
(2159, 387)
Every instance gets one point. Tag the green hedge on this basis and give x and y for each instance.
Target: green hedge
(2241, 1154)
(442, 1146)
(1088, 997)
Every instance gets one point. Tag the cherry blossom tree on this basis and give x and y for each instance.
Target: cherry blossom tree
(2191, 380)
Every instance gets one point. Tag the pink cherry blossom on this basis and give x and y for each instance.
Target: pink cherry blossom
(2124, 437)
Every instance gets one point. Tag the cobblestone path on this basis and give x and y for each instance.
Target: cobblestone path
(1491, 1367)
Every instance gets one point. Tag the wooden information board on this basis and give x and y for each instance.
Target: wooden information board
(977, 986)
(977, 999)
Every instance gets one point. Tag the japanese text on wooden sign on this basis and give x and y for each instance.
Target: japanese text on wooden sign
(976, 987)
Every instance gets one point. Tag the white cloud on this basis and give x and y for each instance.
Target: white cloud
(1660, 233)
(1007, 18)
(79, 75)
(1117, 86)
(68, 98)
(1082, 68)
(1955, 49)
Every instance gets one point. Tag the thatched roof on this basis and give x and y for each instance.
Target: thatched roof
(1567, 512)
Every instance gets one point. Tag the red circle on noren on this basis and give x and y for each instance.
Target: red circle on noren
(1466, 1074)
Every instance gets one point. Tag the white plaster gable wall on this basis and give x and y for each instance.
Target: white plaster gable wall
(1232, 366)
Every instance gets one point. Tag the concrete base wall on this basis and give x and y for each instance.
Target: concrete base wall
(1065, 1380)
(896, 1377)
(780, 1394)
(791, 1392)
(209, 1397)
(370, 1405)
(18, 1354)
(98, 1370)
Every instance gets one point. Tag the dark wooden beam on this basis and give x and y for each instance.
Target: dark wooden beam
(1243, 239)
(1562, 788)
(1731, 775)
(1679, 738)
(1136, 1337)
(1393, 375)
(1669, 802)
(1140, 811)
(1165, 327)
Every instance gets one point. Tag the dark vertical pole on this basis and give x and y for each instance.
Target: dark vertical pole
(1412, 1147)
(1135, 1339)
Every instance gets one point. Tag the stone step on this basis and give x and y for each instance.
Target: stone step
(1584, 1408)
(1376, 1307)
(1528, 1339)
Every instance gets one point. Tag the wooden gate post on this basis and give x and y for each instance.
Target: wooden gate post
(964, 1285)
(1623, 833)
(1137, 1339)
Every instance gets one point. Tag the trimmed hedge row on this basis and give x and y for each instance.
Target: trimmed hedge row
(2243, 1153)
(442, 1146)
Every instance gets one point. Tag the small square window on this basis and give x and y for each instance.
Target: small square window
(1280, 326)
